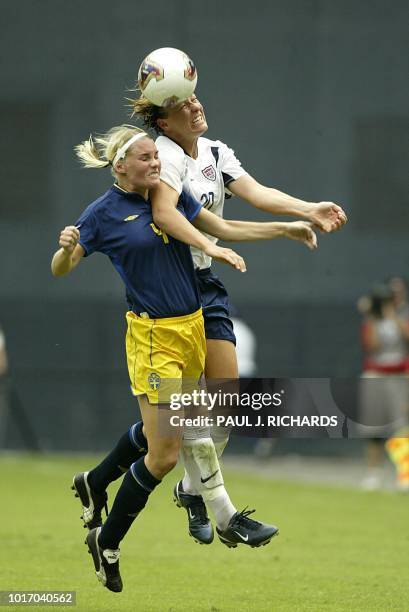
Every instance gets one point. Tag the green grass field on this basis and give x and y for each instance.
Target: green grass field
(339, 549)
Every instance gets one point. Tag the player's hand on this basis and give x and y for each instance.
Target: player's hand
(302, 231)
(327, 216)
(69, 238)
(227, 256)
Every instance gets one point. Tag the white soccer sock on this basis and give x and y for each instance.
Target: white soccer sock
(201, 462)
(188, 482)
(192, 472)
(220, 505)
(191, 467)
(220, 437)
(219, 446)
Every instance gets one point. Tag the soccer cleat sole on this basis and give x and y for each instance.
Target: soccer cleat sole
(228, 544)
(96, 561)
(114, 587)
(81, 490)
(95, 557)
(83, 494)
(235, 544)
(197, 541)
(177, 502)
(76, 494)
(265, 541)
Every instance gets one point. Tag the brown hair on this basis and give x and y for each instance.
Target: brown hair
(148, 112)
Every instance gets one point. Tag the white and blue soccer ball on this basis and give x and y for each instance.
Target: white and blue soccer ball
(167, 76)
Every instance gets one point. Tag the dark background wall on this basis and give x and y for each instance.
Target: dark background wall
(311, 95)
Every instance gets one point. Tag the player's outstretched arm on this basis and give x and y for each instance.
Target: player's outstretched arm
(166, 216)
(248, 231)
(327, 216)
(70, 253)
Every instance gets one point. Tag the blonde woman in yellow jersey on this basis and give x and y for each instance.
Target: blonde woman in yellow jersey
(165, 343)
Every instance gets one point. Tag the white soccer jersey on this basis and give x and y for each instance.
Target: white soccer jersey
(205, 177)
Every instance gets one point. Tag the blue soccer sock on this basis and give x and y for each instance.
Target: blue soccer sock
(131, 498)
(131, 446)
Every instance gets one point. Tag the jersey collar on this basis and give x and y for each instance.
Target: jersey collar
(131, 195)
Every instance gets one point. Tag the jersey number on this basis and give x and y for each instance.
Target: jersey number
(207, 200)
(159, 232)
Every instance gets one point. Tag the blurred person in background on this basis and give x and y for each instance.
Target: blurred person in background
(4, 366)
(246, 345)
(399, 288)
(397, 447)
(246, 351)
(3, 386)
(384, 389)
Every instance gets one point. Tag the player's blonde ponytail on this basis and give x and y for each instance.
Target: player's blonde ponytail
(100, 151)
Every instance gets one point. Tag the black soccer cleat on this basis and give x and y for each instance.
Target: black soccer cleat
(244, 530)
(92, 502)
(106, 562)
(200, 527)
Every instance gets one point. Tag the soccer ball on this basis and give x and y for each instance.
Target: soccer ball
(167, 76)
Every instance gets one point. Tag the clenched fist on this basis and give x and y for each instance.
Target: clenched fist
(69, 238)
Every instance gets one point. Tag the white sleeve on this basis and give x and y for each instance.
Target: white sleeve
(173, 163)
(229, 165)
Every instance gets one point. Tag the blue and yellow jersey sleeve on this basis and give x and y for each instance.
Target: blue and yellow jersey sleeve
(90, 233)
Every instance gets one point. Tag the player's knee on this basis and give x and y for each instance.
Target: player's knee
(171, 462)
(165, 462)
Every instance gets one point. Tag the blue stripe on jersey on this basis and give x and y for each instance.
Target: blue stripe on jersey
(227, 178)
(157, 270)
(215, 153)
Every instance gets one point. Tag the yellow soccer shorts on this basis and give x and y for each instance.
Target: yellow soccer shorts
(165, 356)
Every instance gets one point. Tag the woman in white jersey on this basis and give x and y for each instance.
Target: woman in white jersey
(210, 171)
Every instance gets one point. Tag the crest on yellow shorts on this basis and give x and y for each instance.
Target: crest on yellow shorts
(154, 381)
